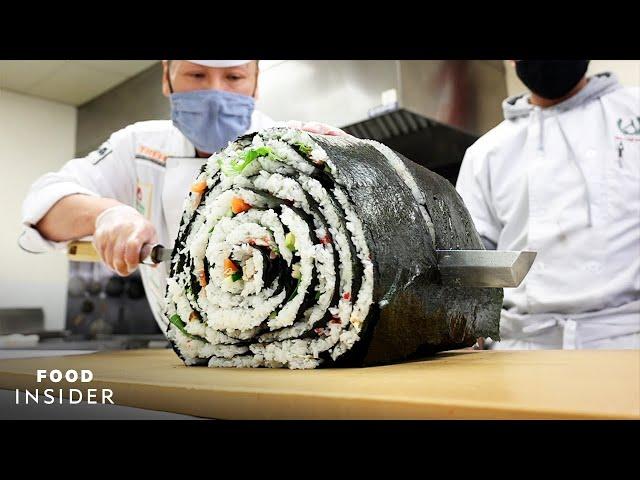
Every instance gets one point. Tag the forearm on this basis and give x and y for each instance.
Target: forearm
(73, 217)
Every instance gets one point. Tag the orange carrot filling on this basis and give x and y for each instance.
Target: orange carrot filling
(238, 205)
(203, 279)
(199, 187)
(230, 267)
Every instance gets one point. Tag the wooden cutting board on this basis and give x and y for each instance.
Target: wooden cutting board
(460, 384)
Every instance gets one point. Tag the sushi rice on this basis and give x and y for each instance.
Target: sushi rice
(275, 260)
(266, 259)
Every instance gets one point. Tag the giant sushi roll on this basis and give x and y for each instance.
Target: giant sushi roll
(301, 251)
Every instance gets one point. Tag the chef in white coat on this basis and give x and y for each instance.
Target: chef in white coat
(561, 176)
(130, 191)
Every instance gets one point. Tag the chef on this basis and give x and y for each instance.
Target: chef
(130, 191)
(561, 176)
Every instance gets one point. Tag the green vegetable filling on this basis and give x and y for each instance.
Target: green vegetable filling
(295, 291)
(177, 321)
(306, 149)
(290, 241)
(238, 165)
(236, 276)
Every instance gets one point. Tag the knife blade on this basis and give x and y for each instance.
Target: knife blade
(484, 268)
(470, 268)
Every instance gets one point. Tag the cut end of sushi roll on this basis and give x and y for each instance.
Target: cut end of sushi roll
(299, 251)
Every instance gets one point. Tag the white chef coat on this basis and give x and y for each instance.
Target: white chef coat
(148, 165)
(565, 181)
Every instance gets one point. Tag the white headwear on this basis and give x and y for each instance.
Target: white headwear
(220, 63)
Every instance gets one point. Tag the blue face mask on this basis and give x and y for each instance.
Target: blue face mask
(211, 118)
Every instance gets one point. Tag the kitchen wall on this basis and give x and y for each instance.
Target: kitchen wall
(355, 86)
(342, 92)
(334, 92)
(36, 136)
(628, 72)
(137, 99)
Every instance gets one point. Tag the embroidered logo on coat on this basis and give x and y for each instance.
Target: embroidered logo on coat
(151, 154)
(629, 127)
(97, 155)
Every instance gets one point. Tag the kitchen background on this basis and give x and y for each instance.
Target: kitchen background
(51, 111)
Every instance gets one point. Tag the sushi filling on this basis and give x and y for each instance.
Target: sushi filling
(271, 268)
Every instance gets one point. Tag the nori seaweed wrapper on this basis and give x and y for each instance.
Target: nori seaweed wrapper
(406, 213)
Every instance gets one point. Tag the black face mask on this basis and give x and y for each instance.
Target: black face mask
(551, 79)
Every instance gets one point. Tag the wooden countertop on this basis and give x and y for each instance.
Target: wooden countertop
(461, 384)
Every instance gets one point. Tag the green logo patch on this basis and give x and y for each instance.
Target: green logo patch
(629, 127)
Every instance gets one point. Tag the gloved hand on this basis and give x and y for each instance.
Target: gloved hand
(316, 127)
(120, 233)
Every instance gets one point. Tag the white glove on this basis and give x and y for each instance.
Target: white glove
(120, 233)
(316, 127)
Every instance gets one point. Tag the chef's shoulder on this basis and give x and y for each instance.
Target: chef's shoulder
(626, 99)
(260, 120)
(125, 143)
(488, 150)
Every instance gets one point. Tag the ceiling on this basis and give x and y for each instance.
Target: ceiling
(73, 82)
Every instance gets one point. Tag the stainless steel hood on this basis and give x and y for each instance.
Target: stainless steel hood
(464, 94)
(428, 110)
(432, 144)
(436, 111)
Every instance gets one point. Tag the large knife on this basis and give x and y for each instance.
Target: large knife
(469, 268)
(83, 251)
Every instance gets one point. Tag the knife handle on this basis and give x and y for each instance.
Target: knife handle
(79, 251)
(83, 251)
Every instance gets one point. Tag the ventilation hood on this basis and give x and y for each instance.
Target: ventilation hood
(428, 110)
(432, 144)
(436, 110)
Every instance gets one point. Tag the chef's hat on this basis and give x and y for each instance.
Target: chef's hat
(220, 63)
